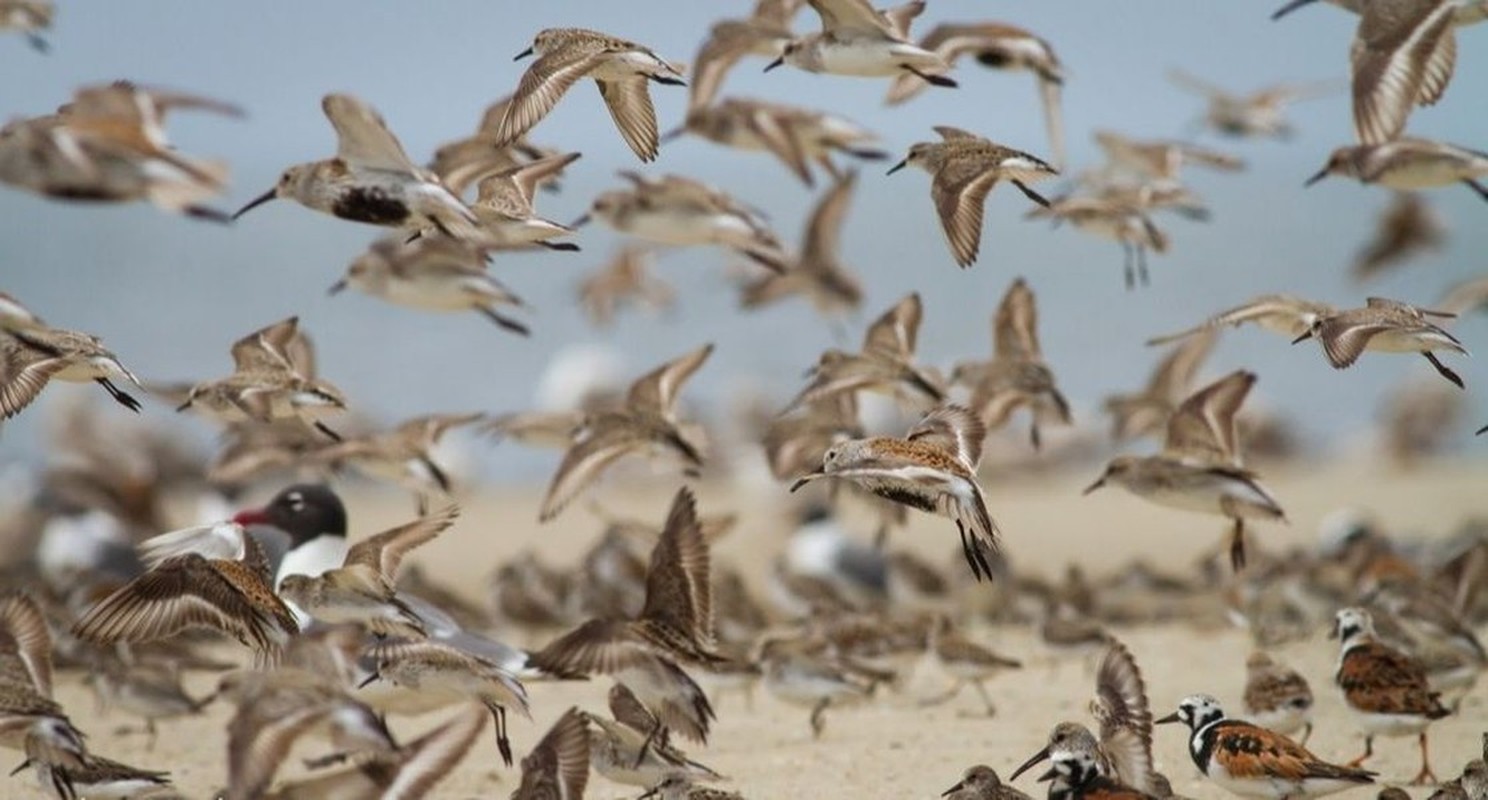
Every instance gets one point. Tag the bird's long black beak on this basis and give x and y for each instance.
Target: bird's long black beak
(1304, 337)
(673, 133)
(805, 479)
(1099, 482)
(1034, 759)
(773, 64)
(1333, 632)
(337, 287)
(897, 167)
(1322, 173)
(953, 789)
(1168, 720)
(523, 54)
(257, 201)
(1289, 8)
(370, 679)
(581, 221)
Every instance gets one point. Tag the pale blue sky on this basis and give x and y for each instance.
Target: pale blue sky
(169, 294)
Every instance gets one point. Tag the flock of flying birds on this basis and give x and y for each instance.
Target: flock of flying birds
(340, 637)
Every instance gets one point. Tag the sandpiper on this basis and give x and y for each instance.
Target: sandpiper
(1002, 46)
(437, 668)
(933, 469)
(503, 205)
(621, 68)
(101, 777)
(635, 758)
(362, 589)
(795, 136)
(29, 17)
(403, 456)
(148, 689)
(558, 765)
(371, 179)
(1281, 313)
(1408, 163)
(766, 33)
(432, 273)
(675, 625)
(1254, 114)
(858, 39)
(1405, 228)
(626, 277)
(1252, 761)
(1016, 375)
(1146, 411)
(797, 673)
(273, 378)
(965, 661)
(1384, 687)
(817, 271)
(1160, 159)
(1277, 697)
(1199, 468)
(676, 210)
(1120, 219)
(460, 163)
(965, 167)
(885, 363)
(980, 782)
(32, 354)
(1387, 326)
(648, 419)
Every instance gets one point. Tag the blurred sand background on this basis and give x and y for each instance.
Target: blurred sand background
(891, 748)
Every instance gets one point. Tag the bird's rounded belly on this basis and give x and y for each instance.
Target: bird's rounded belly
(673, 228)
(869, 59)
(376, 205)
(1427, 175)
(429, 295)
(1393, 724)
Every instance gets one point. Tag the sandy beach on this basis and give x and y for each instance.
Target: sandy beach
(893, 748)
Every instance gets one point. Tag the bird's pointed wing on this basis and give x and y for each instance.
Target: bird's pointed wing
(1015, 328)
(384, 552)
(540, 89)
(954, 429)
(1202, 429)
(629, 102)
(362, 137)
(896, 331)
(678, 584)
(657, 390)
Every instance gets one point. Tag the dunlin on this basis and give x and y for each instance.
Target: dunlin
(1277, 697)
(1465, 296)
(557, 768)
(858, 39)
(29, 17)
(885, 363)
(817, 271)
(1387, 326)
(36, 725)
(1386, 689)
(432, 273)
(796, 136)
(1408, 163)
(101, 777)
(234, 596)
(647, 420)
(621, 68)
(933, 469)
(1252, 761)
(503, 205)
(1199, 468)
(412, 773)
(625, 278)
(1159, 159)
(434, 667)
(1405, 229)
(965, 168)
(1280, 313)
(31, 358)
(675, 625)
(1146, 411)
(675, 210)
(627, 756)
(1120, 219)
(797, 673)
(981, 783)
(371, 179)
(148, 689)
(273, 378)
(1016, 376)
(765, 34)
(1256, 114)
(363, 589)
(999, 46)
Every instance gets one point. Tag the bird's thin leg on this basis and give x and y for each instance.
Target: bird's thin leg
(987, 699)
(1446, 372)
(936, 80)
(1126, 265)
(1425, 776)
(1306, 734)
(1142, 265)
(1368, 751)
(503, 744)
(1237, 545)
(818, 717)
(1031, 194)
(119, 395)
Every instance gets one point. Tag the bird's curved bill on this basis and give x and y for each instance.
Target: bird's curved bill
(773, 64)
(805, 479)
(1304, 337)
(897, 167)
(370, 679)
(953, 789)
(256, 202)
(581, 222)
(673, 133)
(1322, 173)
(337, 287)
(522, 55)
(1289, 8)
(1168, 720)
(1041, 755)
(1099, 482)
